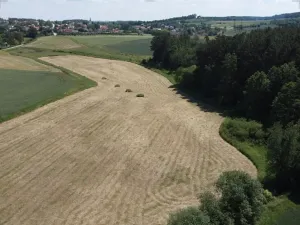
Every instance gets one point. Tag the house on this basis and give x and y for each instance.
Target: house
(67, 30)
(103, 28)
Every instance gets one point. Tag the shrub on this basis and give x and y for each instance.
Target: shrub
(241, 202)
(242, 197)
(128, 90)
(117, 85)
(189, 216)
(185, 76)
(268, 196)
(144, 62)
(140, 95)
(244, 130)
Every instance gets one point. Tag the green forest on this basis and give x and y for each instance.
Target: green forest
(255, 78)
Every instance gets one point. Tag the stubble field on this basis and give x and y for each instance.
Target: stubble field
(103, 156)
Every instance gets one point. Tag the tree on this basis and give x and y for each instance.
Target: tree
(18, 36)
(284, 154)
(286, 106)
(13, 38)
(210, 206)
(279, 76)
(257, 96)
(228, 86)
(189, 216)
(159, 46)
(242, 197)
(32, 32)
(241, 203)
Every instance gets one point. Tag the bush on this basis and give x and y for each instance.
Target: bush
(241, 202)
(189, 216)
(268, 196)
(140, 95)
(128, 90)
(244, 130)
(254, 149)
(242, 197)
(144, 62)
(185, 76)
(117, 85)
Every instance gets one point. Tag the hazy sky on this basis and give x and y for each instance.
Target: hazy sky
(142, 9)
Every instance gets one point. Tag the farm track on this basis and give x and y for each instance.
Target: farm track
(103, 156)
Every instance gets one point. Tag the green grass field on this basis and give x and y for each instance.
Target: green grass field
(281, 211)
(127, 44)
(132, 48)
(22, 91)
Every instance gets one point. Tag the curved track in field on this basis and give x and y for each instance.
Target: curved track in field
(103, 156)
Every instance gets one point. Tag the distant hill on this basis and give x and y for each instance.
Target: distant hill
(229, 18)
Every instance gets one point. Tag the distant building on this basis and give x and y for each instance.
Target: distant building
(103, 28)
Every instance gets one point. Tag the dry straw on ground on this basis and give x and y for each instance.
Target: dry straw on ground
(102, 158)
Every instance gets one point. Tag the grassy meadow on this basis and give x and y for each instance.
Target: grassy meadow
(239, 133)
(27, 83)
(22, 91)
(132, 48)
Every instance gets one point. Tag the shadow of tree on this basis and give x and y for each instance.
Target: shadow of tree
(192, 96)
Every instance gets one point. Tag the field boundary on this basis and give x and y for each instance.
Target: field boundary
(278, 207)
(83, 83)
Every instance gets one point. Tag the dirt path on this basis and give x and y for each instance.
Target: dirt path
(103, 156)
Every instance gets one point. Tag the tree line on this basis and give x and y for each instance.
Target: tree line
(16, 36)
(256, 75)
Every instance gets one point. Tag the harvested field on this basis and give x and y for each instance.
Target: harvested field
(8, 61)
(102, 156)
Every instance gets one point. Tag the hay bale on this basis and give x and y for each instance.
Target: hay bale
(140, 95)
(104, 78)
(117, 85)
(128, 90)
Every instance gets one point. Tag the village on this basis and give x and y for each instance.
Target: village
(81, 26)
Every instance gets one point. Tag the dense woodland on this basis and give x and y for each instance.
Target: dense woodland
(257, 76)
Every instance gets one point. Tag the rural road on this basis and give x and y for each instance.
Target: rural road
(103, 156)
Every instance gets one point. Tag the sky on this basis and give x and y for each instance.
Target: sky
(108, 10)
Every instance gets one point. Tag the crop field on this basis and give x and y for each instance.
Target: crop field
(26, 84)
(54, 42)
(22, 90)
(130, 44)
(8, 61)
(104, 156)
(124, 47)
